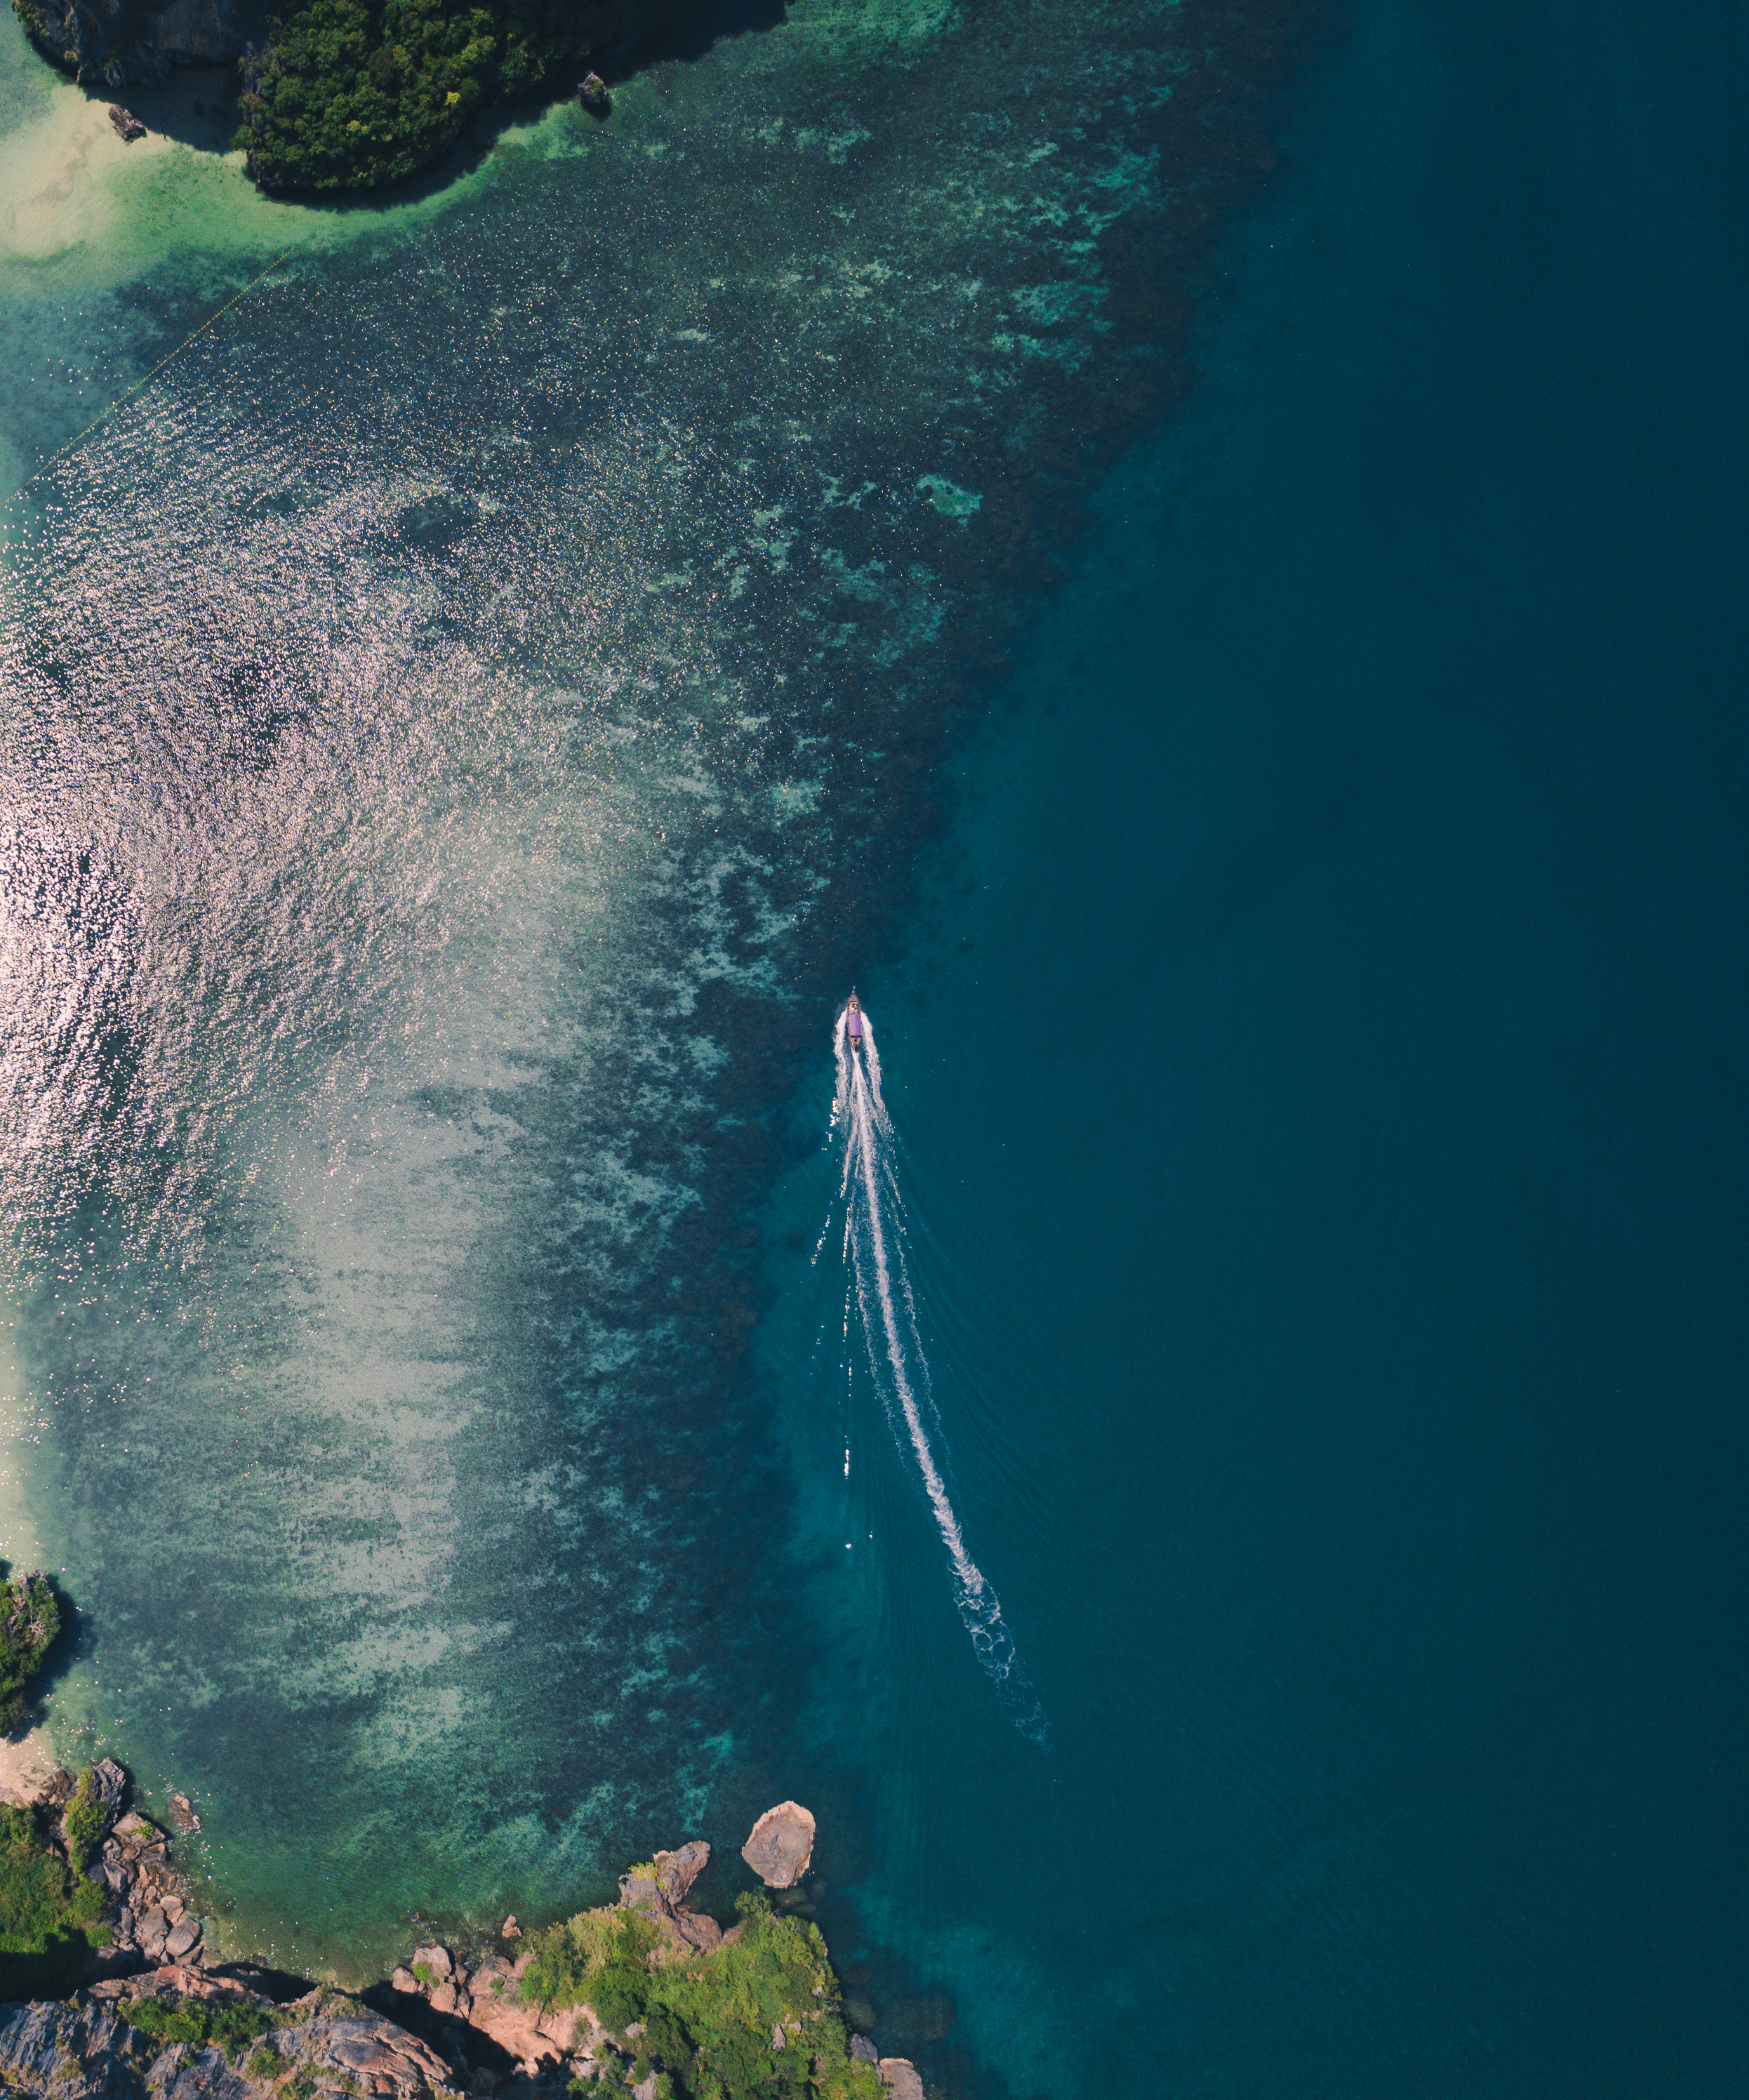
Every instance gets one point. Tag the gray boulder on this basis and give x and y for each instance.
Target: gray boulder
(781, 1845)
(111, 1790)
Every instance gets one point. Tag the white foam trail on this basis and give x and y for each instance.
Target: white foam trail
(876, 1259)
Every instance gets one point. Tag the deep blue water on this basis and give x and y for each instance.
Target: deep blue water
(469, 718)
(1320, 1070)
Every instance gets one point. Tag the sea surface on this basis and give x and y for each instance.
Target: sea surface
(1199, 559)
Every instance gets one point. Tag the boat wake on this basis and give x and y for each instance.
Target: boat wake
(874, 1258)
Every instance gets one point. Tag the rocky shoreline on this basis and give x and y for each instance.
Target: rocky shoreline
(153, 2019)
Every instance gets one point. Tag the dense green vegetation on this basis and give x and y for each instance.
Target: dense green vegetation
(29, 1620)
(707, 2021)
(48, 1914)
(352, 93)
(233, 2027)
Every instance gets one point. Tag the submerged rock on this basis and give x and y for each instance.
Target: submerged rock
(781, 1845)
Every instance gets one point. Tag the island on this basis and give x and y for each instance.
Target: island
(336, 95)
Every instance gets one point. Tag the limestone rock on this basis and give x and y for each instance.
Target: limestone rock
(899, 2074)
(692, 1930)
(382, 2057)
(517, 2029)
(119, 41)
(111, 1790)
(781, 1845)
(493, 1977)
(640, 1890)
(862, 2050)
(676, 1871)
(563, 2028)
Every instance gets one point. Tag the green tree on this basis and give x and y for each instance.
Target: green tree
(29, 1620)
(351, 94)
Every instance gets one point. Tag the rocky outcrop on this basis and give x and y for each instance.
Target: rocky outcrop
(70, 2052)
(781, 1845)
(676, 1871)
(327, 2041)
(452, 2021)
(473, 2013)
(118, 42)
(147, 1912)
(659, 1888)
(149, 1920)
(473, 2016)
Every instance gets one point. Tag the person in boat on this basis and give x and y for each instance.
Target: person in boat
(854, 1021)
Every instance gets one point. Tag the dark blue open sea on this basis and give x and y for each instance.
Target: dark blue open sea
(1197, 555)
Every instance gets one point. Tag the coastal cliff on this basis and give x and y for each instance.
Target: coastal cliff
(117, 43)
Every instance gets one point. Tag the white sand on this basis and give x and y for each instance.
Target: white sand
(26, 1761)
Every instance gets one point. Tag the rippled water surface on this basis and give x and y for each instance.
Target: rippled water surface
(463, 718)
(466, 721)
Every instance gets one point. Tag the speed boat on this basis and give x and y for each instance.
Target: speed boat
(853, 1029)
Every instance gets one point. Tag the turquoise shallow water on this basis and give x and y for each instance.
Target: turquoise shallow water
(465, 732)
(443, 709)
